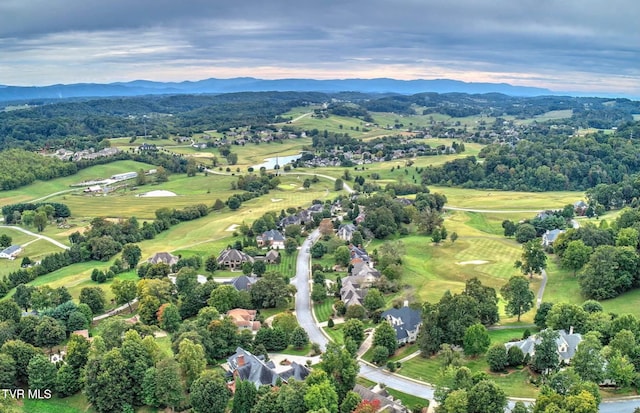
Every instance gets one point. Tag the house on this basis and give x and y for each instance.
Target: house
(272, 257)
(351, 292)
(243, 282)
(358, 254)
(549, 237)
(290, 220)
(163, 257)
(567, 344)
(93, 189)
(233, 258)
(244, 319)
(271, 239)
(245, 366)
(345, 231)
(11, 252)
(316, 209)
(147, 147)
(364, 274)
(124, 176)
(580, 207)
(406, 321)
(387, 403)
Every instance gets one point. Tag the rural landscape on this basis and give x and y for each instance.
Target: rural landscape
(306, 251)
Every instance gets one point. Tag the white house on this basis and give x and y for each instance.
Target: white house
(406, 321)
(11, 252)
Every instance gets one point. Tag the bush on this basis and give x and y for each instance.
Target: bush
(514, 356)
(330, 323)
(380, 354)
(391, 366)
(497, 358)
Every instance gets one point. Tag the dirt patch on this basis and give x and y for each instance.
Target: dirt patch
(473, 262)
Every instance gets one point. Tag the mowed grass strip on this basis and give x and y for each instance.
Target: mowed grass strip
(323, 310)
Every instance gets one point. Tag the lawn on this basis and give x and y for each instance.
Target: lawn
(40, 189)
(408, 400)
(304, 351)
(74, 404)
(287, 265)
(323, 310)
(335, 333)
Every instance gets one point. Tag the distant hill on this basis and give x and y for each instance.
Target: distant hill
(249, 84)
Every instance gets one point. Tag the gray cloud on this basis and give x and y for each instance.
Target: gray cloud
(564, 44)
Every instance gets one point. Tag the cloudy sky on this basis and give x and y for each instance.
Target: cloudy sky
(564, 45)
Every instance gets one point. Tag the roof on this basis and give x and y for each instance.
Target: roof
(403, 320)
(163, 257)
(297, 371)
(243, 282)
(367, 394)
(272, 255)
(567, 344)
(11, 250)
(272, 235)
(259, 372)
(550, 236)
(231, 254)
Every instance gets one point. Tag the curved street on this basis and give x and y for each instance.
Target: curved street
(307, 321)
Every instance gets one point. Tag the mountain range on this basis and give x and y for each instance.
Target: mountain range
(250, 84)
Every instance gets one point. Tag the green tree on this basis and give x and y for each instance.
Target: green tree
(5, 241)
(341, 368)
(453, 237)
(224, 298)
(518, 295)
(564, 316)
(209, 393)
(77, 351)
(94, 298)
(141, 178)
(546, 359)
(321, 396)
(534, 260)
(338, 185)
(23, 296)
(169, 317)
(350, 402)
(169, 388)
(525, 233)
(385, 335)
(486, 397)
(379, 355)
(299, 338)
(509, 228)
(131, 254)
(192, 360)
(211, 264)
(374, 300)
(576, 255)
(68, 381)
(476, 340)
(50, 332)
(125, 291)
(342, 255)
(7, 371)
(456, 402)
(40, 220)
(161, 174)
(620, 370)
(10, 311)
(104, 384)
(627, 237)
(244, 399)
(353, 329)
(497, 358)
(42, 373)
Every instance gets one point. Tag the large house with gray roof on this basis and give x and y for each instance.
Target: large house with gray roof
(567, 344)
(406, 321)
(245, 366)
(271, 239)
(232, 258)
(163, 258)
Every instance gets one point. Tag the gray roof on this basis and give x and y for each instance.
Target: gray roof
(550, 236)
(11, 250)
(567, 344)
(261, 373)
(403, 320)
(163, 257)
(235, 255)
(243, 282)
(272, 235)
(297, 371)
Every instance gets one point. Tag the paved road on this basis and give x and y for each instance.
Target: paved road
(33, 234)
(114, 311)
(543, 284)
(303, 296)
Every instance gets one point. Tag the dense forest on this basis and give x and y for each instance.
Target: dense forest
(546, 159)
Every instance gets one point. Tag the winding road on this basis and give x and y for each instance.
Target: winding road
(33, 234)
(306, 319)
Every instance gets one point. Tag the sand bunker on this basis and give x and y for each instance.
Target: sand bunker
(232, 227)
(276, 199)
(474, 262)
(158, 193)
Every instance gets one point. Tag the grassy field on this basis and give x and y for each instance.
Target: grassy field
(74, 404)
(40, 189)
(323, 310)
(515, 382)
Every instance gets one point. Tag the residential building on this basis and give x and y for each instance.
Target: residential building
(243, 282)
(233, 259)
(345, 231)
(271, 239)
(549, 237)
(11, 252)
(163, 257)
(387, 403)
(244, 319)
(567, 344)
(406, 321)
(245, 366)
